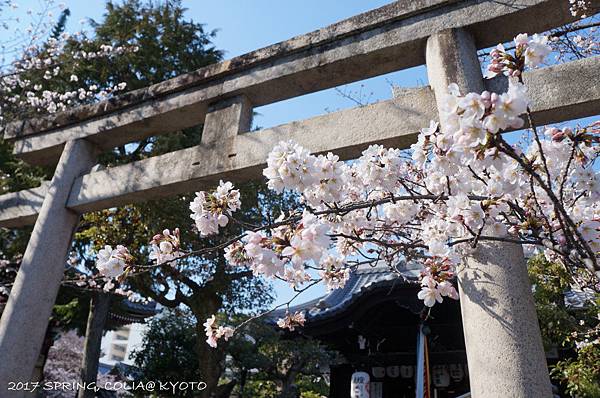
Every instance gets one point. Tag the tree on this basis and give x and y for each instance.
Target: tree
(574, 331)
(72, 304)
(464, 185)
(260, 361)
(204, 285)
(269, 364)
(153, 42)
(168, 351)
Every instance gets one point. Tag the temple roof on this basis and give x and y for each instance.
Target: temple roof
(125, 312)
(362, 280)
(578, 299)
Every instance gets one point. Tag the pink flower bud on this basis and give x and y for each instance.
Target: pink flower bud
(558, 135)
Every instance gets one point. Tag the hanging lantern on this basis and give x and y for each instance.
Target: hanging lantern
(407, 371)
(359, 387)
(378, 372)
(441, 377)
(393, 371)
(456, 372)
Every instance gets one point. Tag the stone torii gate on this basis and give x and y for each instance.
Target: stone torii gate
(504, 349)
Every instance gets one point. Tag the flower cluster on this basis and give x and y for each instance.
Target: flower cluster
(436, 281)
(212, 210)
(317, 177)
(579, 8)
(529, 51)
(41, 73)
(236, 255)
(165, 247)
(284, 252)
(64, 361)
(113, 262)
(107, 284)
(335, 274)
(20, 92)
(214, 332)
(291, 321)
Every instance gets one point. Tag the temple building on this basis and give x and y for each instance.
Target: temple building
(380, 327)
(126, 327)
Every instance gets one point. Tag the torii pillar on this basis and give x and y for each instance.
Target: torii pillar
(502, 337)
(26, 315)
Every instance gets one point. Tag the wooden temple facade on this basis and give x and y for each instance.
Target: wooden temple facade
(375, 323)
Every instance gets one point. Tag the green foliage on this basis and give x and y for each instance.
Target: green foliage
(72, 313)
(168, 43)
(15, 175)
(134, 225)
(550, 281)
(285, 367)
(61, 24)
(13, 243)
(168, 351)
(563, 327)
(262, 364)
(581, 375)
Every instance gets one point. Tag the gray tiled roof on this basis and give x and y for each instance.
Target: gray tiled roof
(578, 299)
(362, 280)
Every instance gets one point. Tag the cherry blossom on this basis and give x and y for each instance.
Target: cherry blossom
(429, 296)
(292, 321)
(165, 246)
(579, 8)
(435, 282)
(335, 274)
(529, 51)
(461, 183)
(112, 262)
(34, 53)
(214, 332)
(212, 210)
(64, 365)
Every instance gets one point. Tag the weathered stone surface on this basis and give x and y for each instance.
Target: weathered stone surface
(504, 346)
(452, 58)
(226, 119)
(25, 317)
(390, 39)
(560, 92)
(21, 208)
(348, 132)
(351, 26)
(242, 158)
